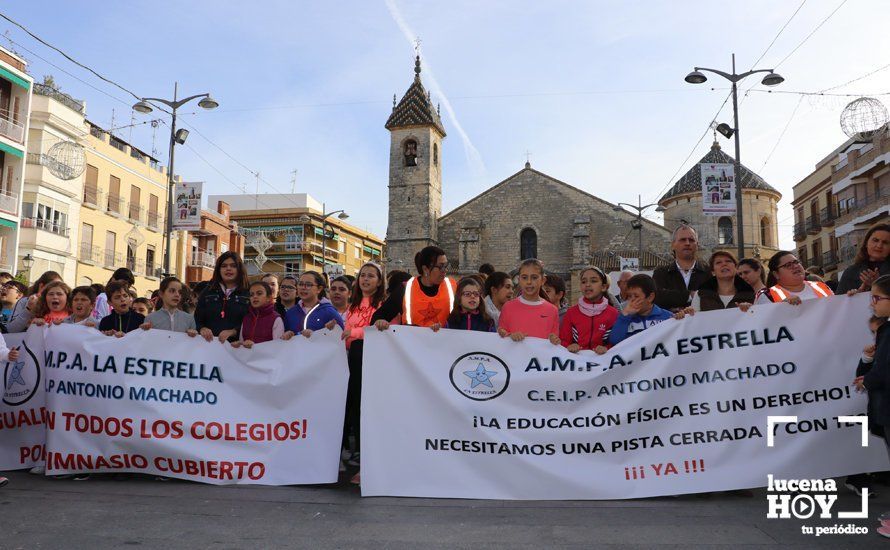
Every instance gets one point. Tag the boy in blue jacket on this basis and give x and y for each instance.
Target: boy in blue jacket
(640, 311)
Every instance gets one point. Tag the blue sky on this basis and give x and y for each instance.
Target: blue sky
(594, 90)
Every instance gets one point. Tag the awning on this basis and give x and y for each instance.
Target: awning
(14, 78)
(11, 150)
(370, 250)
(8, 223)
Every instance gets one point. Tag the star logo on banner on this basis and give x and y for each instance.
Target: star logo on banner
(15, 377)
(429, 315)
(480, 376)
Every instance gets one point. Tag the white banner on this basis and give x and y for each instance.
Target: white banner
(718, 189)
(187, 205)
(161, 403)
(22, 410)
(679, 408)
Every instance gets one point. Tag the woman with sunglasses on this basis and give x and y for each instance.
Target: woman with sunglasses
(791, 284)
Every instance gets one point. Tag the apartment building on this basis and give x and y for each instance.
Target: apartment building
(218, 234)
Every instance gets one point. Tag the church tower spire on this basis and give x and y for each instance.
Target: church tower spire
(415, 175)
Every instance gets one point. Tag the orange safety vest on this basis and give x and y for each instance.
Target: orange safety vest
(779, 294)
(424, 311)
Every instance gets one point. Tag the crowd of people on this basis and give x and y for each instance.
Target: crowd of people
(529, 303)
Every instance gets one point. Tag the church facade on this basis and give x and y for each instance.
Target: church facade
(528, 215)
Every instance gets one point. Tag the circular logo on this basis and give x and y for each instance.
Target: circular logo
(480, 376)
(21, 378)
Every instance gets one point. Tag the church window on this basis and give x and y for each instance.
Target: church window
(764, 231)
(435, 154)
(528, 244)
(724, 230)
(410, 153)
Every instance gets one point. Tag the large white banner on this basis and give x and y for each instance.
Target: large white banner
(159, 402)
(22, 410)
(679, 408)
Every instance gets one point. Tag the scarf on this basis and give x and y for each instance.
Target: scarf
(592, 310)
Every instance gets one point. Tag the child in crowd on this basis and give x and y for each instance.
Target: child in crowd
(143, 306)
(640, 311)
(530, 314)
(468, 312)
(314, 311)
(555, 292)
(262, 323)
(122, 318)
(83, 300)
(10, 293)
(169, 316)
(52, 304)
(874, 375)
(587, 324)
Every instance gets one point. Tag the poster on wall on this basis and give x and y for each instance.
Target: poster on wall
(187, 205)
(718, 189)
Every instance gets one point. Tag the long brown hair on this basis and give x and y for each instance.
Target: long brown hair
(355, 298)
(45, 279)
(862, 253)
(455, 316)
(241, 280)
(42, 307)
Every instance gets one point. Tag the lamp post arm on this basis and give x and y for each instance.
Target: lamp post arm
(175, 104)
(733, 77)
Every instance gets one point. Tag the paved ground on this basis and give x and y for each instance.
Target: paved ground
(36, 512)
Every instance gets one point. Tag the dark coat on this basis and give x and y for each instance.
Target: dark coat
(850, 278)
(877, 380)
(670, 290)
(219, 313)
(710, 298)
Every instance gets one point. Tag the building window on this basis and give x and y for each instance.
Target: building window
(149, 261)
(291, 268)
(724, 230)
(764, 231)
(410, 153)
(528, 244)
(435, 154)
(358, 252)
(291, 242)
(223, 247)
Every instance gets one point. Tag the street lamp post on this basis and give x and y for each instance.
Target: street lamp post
(638, 223)
(27, 262)
(324, 232)
(144, 106)
(771, 79)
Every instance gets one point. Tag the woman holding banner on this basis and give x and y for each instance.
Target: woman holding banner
(725, 289)
(791, 284)
(427, 299)
(224, 303)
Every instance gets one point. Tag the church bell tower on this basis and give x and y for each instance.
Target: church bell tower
(415, 175)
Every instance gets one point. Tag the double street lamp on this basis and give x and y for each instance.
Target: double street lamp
(771, 79)
(638, 223)
(144, 106)
(341, 214)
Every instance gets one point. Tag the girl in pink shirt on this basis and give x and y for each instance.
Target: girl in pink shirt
(530, 314)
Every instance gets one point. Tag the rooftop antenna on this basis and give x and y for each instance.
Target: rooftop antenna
(293, 181)
(257, 196)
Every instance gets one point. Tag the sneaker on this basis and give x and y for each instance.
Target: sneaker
(357, 478)
(38, 470)
(354, 459)
(885, 523)
(883, 516)
(161, 478)
(3, 481)
(80, 477)
(856, 486)
(883, 531)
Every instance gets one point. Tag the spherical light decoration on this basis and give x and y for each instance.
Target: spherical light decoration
(863, 118)
(66, 160)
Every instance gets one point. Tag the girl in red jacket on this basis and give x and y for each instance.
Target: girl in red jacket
(586, 325)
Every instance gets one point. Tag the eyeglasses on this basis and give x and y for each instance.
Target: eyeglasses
(287, 287)
(303, 284)
(875, 298)
(470, 294)
(441, 267)
(792, 263)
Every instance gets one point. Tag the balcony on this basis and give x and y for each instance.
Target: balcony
(202, 258)
(829, 260)
(61, 97)
(812, 225)
(45, 225)
(90, 254)
(9, 129)
(136, 213)
(814, 262)
(826, 217)
(9, 203)
(115, 205)
(112, 259)
(154, 220)
(92, 197)
(799, 231)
